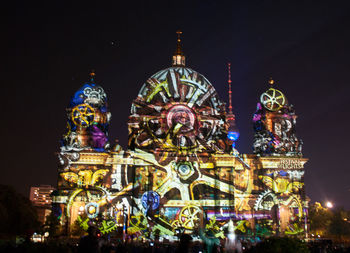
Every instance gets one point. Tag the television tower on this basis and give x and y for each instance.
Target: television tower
(233, 132)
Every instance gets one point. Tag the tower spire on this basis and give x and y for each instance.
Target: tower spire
(92, 75)
(229, 90)
(178, 56)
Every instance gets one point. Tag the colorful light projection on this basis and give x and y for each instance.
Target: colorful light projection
(176, 122)
(88, 119)
(284, 198)
(180, 168)
(177, 110)
(274, 126)
(183, 191)
(89, 201)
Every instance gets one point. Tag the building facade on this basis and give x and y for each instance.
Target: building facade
(181, 167)
(41, 195)
(41, 198)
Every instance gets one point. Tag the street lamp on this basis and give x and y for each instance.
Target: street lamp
(329, 204)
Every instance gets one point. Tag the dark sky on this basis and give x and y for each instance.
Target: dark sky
(48, 49)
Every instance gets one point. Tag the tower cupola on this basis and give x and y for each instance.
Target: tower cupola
(87, 119)
(274, 125)
(178, 56)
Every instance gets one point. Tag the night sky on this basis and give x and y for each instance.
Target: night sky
(48, 50)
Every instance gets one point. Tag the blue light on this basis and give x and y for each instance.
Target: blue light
(233, 136)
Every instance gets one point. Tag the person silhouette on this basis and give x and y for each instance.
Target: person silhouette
(185, 244)
(90, 243)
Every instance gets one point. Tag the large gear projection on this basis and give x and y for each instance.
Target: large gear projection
(177, 108)
(273, 99)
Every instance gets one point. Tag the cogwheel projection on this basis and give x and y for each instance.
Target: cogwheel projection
(189, 216)
(83, 115)
(177, 108)
(273, 99)
(266, 201)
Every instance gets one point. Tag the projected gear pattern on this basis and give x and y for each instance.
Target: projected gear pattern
(273, 99)
(95, 95)
(83, 115)
(189, 216)
(185, 177)
(177, 109)
(150, 200)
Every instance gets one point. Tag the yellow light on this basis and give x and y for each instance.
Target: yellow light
(92, 209)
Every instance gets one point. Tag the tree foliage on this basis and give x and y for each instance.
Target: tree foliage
(320, 219)
(280, 245)
(17, 214)
(329, 223)
(52, 225)
(339, 226)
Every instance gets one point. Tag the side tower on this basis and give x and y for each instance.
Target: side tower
(280, 170)
(274, 126)
(85, 171)
(87, 119)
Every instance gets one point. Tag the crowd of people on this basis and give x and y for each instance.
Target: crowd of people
(208, 244)
(94, 242)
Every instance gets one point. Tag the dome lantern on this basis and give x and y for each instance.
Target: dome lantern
(178, 56)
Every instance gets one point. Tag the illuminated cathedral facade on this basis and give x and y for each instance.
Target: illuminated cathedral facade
(181, 164)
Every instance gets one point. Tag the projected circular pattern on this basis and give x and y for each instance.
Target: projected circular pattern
(181, 116)
(273, 99)
(83, 115)
(92, 210)
(177, 108)
(150, 200)
(189, 216)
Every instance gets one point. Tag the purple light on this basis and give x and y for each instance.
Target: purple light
(233, 215)
(256, 117)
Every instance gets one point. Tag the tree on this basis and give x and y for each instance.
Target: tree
(17, 214)
(329, 223)
(320, 219)
(279, 245)
(339, 226)
(52, 225)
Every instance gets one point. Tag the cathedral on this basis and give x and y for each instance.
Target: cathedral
(181, 168)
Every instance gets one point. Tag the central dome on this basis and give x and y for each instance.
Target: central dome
(177, 109)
